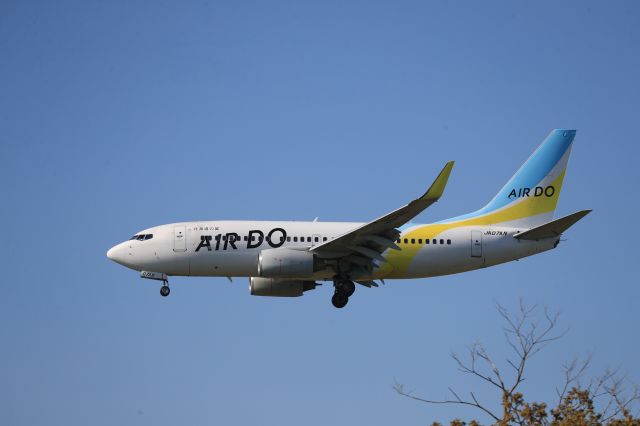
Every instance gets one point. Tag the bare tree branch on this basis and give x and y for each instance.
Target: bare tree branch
(471, 367)
(616, 393)
(572, 373)
(526, 336)
(399, 388)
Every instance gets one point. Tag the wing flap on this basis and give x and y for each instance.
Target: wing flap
(367, 252)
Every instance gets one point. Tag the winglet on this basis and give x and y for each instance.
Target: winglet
(437, 187)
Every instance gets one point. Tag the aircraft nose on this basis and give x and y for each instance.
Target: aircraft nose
(118, 254)
(111, 253)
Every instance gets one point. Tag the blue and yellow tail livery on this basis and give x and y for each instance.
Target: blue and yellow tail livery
(530, 197)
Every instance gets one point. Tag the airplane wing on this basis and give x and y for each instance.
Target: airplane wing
(366, 243)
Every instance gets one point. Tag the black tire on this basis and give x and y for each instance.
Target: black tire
(165, 290)
(347, 288)
(339, 300)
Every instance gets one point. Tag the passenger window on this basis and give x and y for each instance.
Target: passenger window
(288, 239)
(413, 241)
(441, 241)
(406, 241)
(324, 238)
(398, 240)
(295, 239)
(282, 239)
(308, 239)
(419, 240)
(426, 241)
(316, 239)
(435, 241)
(449, 242)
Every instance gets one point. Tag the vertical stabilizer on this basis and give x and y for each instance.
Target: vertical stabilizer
(530, 197)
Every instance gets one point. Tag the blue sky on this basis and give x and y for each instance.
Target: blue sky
(116, 116)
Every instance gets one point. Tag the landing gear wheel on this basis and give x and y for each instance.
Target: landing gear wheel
(339, 300)
(347, 287)
(165, 290)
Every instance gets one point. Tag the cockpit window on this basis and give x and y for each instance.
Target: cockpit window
(141, 237)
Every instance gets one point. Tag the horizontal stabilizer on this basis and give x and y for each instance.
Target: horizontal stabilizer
(553, 228)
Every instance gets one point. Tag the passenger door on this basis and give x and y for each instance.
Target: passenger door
(476, 243)
(180, 238)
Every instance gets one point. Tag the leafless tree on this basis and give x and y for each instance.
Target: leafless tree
(525, 337)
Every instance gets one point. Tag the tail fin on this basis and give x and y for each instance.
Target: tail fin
(530, 197)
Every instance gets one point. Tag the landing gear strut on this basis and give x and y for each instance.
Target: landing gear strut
(158, 276)
(165, 290)
(344, 289)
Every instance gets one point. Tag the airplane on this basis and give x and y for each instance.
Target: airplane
(287, 259)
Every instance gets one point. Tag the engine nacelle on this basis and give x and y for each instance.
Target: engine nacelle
(283, 262)
(279, 288)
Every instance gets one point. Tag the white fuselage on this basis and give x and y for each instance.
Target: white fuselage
(286, 259)
(224, 248)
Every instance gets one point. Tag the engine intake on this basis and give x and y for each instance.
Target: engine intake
(283, 262)
(279, 288)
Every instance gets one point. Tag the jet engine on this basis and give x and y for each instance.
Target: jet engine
(283, 262)
(279, 288)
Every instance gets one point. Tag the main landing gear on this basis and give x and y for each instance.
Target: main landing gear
(344, 289)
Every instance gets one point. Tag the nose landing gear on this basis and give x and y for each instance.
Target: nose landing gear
(165, 290)
(158, 276)
(344, 289)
